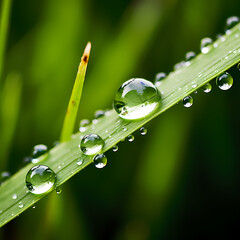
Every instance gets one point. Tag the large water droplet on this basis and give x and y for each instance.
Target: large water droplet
(83, 125)
(206, 45)
(40, 179)
(207, 88)
(159, 77)
(224, 81)
(187, 101)
(100, 160)
(143, 131)
(231, 22)
(38, 151)
(91, 144)
(136, 99)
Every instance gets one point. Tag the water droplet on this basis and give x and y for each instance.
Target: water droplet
(231, 22)
(206, 45)
(4, 176)
(38, 151)
(179, 65)
(207, 88)
(58, 190)
(115, 148)
(136, 99)
(194, 85)
(33, 207)
(99, 114)
(79, 161)
(224, 81)
(143, 131)
(187, 101)
(14, 196)
(91, 144)
(130, 138)
(84, 125)
(20, 205)
(190, 55)
(40, 179)
(159, 77)
(100, 160)
(124, 129)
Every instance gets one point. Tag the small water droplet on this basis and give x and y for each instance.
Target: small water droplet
(40, 179)
(14, 196)
(12, 214)
(115, 148)
(99, 114)
(20, 205)
(187, 101)
(33, 207)
(124, 129)
(236, 35)
(215, 44)
(159, 77)
(231, 22)
(58, 190)
(4, 176)
(100, 161)
(79, 161)
(189, 56)
(199, 75)
(179, 65)
(84, 125)
(143, 131)
(224, 81)
(91, 144)
(38, 150)
(130, 138)
(136, 99)
(206, 45)
(207, 88)
(194, 85)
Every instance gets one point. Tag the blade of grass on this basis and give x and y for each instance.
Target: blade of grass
(10, 105)
(63, 158)
(73, 104)
(4, 22)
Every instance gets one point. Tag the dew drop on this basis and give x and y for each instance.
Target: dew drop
(4, 176)
(14, 196)
(231, 22)
(99, 114)
(179, 65)
(38, 150)
(115, 148)
(206, 45)
(40, 179)
(136, 99)
(159, 77)
(91, 144)
(224, 81)
(58, 190)
(194, 85)
(84, 125)
(130, 138)
(124, 129)
(189, 56)
(79, 161)
(33, 207)
(207, 88)
(187, 101)
(20, 205)
(100, 161)
(143, 131)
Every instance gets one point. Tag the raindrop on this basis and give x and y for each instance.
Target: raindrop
(130, 138)
(194, 85)
(84, 125)
(20, 205)
(187, 101)
(100, 161)
(179, 65)
(159, 77)
(58, 190)
(124, 129)
(79, 161)
(14, 196)
(136, 98)
(224, 81)
(40, 179)
(38, 151)
(189, 56)
(91, 144)
(207, 88)
(231, 22)
(33, 207)
(115, 148)
(4, 176)
(143, 131)
(206, 45)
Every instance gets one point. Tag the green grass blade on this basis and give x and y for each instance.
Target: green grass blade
(62, 158)
(4, 22)
(70, 117)
(9, 111)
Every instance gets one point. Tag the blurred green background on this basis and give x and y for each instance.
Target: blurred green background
(181, 180)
